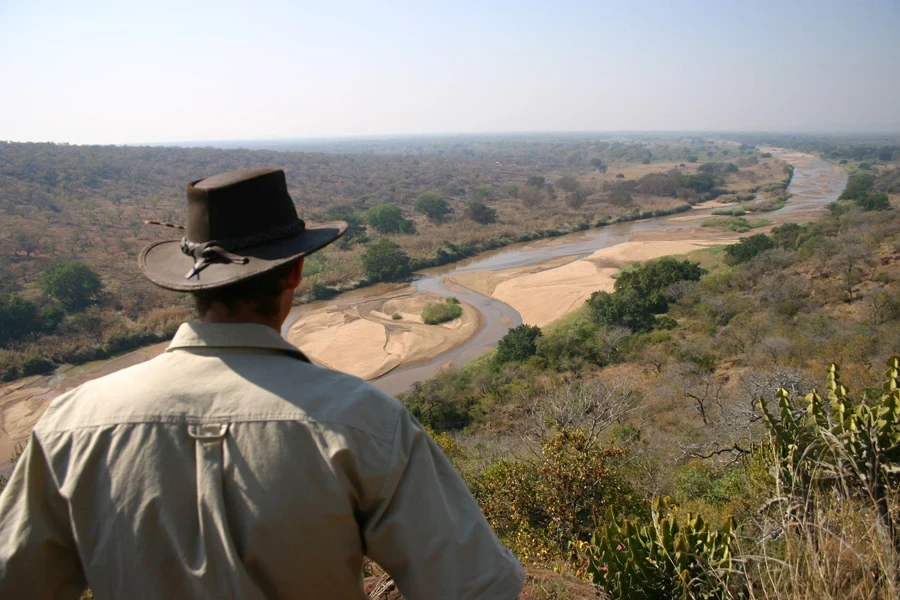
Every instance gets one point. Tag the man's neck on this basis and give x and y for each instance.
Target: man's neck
(220, 315)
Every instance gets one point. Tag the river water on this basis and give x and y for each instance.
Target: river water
(815, 183)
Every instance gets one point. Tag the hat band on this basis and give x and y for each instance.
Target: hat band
(206, 253)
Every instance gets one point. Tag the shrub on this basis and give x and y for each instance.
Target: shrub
(736, 224)
(556, 496)
(874, 201)
(432, 206)
(736, 211)
(73, 284)
(442, 402)
(434, 314)
(18, 318)
(749, 247)
(858, 185)
(480, 213)
(37, 365)
(385, 261)
(396, 316)
(518, 344)
(386, 218)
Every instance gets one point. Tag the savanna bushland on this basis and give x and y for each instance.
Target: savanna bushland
(723, 424)
(74, 218)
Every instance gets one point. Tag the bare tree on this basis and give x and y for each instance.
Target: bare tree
(705, 389)
(592, 405)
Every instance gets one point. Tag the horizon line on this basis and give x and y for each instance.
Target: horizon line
(399, 136)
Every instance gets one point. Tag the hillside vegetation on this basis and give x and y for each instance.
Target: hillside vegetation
(626, 439)
(74, 217)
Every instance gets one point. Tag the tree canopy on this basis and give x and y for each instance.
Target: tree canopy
(518, 344)
(73, 284)
(385, 261)
(386, 218)
(481, 213)
(433, 206)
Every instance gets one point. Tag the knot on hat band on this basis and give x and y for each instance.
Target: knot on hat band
(206, 253)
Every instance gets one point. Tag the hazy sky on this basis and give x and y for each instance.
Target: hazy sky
(86, 71)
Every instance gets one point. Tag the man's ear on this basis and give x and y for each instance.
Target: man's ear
(296, 274)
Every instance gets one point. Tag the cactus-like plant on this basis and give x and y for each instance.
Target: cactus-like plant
(857, 445)
(665, 558)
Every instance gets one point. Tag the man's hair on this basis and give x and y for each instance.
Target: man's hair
(262, 291)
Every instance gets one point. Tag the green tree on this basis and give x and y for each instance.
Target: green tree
(432, 206)
(651, 279)
(518, 344)
(874, 201)
(747, 248)
(356, 225)
(481, 213)
(623, 309)
(74, 284)
(18, 318)
(385, 218)
(385, 261)
(858, 186)
(568, 184)
(537, 181)
(786, 235)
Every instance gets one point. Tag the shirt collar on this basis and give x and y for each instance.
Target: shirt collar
(231, 335)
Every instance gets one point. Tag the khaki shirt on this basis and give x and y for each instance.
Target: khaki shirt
(231, 467)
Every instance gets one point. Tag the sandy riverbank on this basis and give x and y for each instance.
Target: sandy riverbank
(544, 292)
(364, 340)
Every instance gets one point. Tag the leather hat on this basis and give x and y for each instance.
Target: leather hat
(239, 224)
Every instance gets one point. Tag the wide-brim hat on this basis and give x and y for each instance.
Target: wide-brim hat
(239, 224)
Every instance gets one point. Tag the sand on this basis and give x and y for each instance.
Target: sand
(545, 292)
(364, 340)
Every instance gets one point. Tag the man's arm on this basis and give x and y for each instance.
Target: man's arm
(427, 531)
(37, 551)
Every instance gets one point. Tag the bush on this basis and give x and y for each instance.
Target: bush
(519, 343)
(736, 224)
(625, 309)
(749, 247)
(434, 314)
(386, 218)
(73, 284)
(396, 316)
(556, 497)
(385, 261)
(481, 213)
(37, 365)
(442, 402)
(858, 185)
(18, 318)
(736, 211)
(874, 201)
(432, 206)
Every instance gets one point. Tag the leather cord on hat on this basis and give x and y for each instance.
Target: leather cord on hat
(206, 253)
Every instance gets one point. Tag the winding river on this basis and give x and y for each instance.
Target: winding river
(815, 183)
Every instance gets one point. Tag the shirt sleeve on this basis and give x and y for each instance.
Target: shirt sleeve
(429, 534)
(37, 550)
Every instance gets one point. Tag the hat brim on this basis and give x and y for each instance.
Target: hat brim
(166, 265)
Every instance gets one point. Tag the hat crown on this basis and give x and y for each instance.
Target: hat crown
(237, 204)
